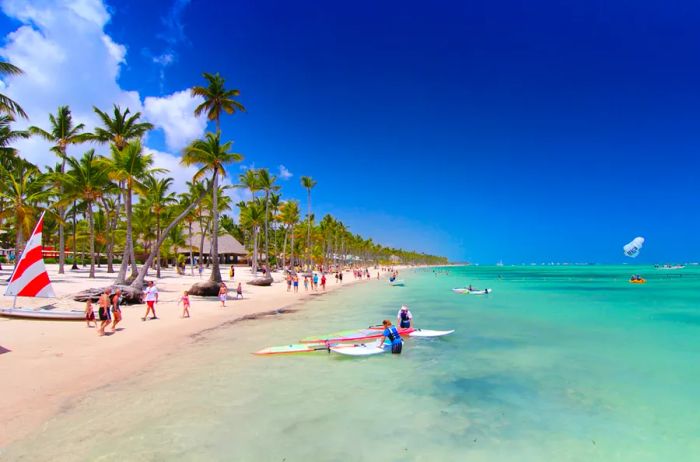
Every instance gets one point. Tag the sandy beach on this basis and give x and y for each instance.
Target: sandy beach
(47, 364)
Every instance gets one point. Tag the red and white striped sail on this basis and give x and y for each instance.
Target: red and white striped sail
(30, 278)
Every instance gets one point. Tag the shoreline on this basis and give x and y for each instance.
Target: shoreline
(49, 364)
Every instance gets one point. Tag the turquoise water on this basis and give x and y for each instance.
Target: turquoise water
(559, 363)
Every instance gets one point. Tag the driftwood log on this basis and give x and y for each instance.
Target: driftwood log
(205, 289)
(130, 295)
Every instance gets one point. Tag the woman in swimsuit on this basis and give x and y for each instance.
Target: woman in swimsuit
(90, 314)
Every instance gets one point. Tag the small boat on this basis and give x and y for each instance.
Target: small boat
(56, 315)
(638, 281)
(669, 267)
(30, 279)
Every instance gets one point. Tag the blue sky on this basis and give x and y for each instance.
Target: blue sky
(522, 131)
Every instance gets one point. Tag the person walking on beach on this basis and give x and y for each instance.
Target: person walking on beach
(223, 290)
(231, 272)
(323, 281)
(201, 269)
(289, 282)
(103, 312)
(404, 317)
(340, 276)
(306, 283)
(116, 309)
(315, 281)
(185, 300)
(90, 313)
(151, 297)
(239, 291)
(392, 334)
(295, 281)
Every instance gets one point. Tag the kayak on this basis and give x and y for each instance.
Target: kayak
(355, 335)
(293, 348)
(361, 349)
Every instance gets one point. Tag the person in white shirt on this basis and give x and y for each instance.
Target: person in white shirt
(404, 317)
(151, 298)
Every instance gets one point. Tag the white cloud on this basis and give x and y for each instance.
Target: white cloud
(284, 173)
(174, 114)
(67, 58)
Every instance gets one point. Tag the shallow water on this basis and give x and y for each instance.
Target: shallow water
(559, 363)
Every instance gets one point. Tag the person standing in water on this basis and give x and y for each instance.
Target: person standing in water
(392, 334)
(404, 317)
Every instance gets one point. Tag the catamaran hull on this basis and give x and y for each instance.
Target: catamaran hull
(47, 315)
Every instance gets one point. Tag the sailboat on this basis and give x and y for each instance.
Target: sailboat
(30, 279)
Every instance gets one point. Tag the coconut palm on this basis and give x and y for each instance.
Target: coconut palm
(216, 99)
(252, 217)
(308, 183)
(119, 128)
(211, 156)
(85, 181)
(250, 180)
(129, 166)
(157, 199)
(9, 136)
(266, 182)
(62, 133)
(289, 216)
(22, 188)
(7, 105)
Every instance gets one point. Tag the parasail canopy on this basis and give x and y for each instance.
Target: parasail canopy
(632, 249)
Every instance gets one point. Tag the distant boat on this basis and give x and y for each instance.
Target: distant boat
(500, 263)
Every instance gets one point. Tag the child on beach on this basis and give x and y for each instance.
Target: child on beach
(239, 291)
(90, 313)
(185, 300)
(223, 290)
(306, 283)
(289, 282)
(323, 281)
(116, 309)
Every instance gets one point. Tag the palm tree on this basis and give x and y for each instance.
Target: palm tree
(194, 190)
(308, 183)
(22, 187)
(7, 105)
(289, 215)
(129, 166)
(85, 181)
(266, 182)
(252, 217)
(9, 136)
(158, 199)
(211, 156)
(216, 99)
(62, 133)
(250, 180)
(119, 128)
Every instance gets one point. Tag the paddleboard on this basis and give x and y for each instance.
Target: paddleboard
(425, 333)
(293, 348)
(480, 292)
(361, 349)
(460, 291)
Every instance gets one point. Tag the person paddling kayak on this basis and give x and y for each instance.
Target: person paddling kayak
(404, 317)
(390, 333)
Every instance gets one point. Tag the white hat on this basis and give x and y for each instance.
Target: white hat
(404, 307)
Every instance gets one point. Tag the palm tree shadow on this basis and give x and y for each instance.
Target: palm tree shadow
(4, 350)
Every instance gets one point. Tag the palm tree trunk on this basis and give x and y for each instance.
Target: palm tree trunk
(308, 230)
(291, 250)
(284, 248)
(214, 252)
(91, 223)
(191, 252)
(138, 281)
(121, 277)
(61, 230)
(267, 235)
(254, 266)
(75, 241)
(158, 248)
